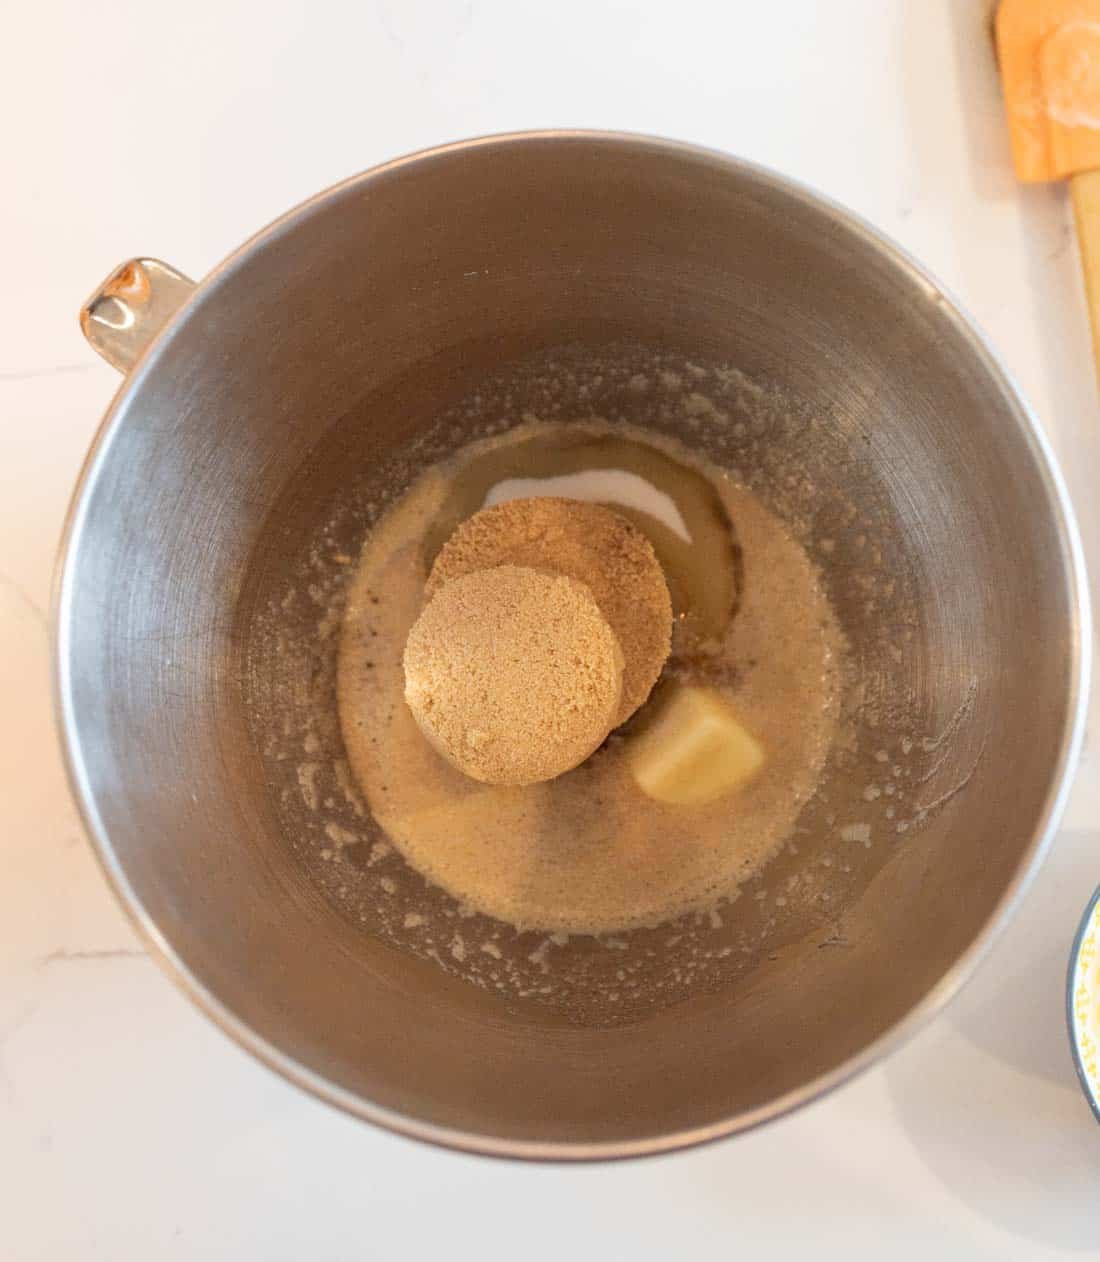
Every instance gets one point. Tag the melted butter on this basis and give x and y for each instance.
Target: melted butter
(587, 852)
(677, 507)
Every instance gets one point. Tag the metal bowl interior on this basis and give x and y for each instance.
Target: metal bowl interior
(324, 346)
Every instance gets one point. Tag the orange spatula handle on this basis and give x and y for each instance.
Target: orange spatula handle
(1085, 191)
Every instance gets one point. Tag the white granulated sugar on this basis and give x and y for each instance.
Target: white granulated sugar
(307, 782)
(597, 486)
(340, 836)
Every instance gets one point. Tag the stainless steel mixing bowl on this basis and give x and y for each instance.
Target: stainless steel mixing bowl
(431, 272)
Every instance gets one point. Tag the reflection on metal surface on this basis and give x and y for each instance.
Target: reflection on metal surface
(131, 307)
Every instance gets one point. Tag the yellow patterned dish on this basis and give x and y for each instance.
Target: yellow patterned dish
(1083, 1003)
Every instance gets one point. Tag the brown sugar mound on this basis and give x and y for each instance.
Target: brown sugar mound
(513, 674)
(586, 542)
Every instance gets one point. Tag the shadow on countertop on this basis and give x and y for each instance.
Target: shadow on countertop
(992, 1105)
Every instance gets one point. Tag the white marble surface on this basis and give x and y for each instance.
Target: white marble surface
(129, 1127)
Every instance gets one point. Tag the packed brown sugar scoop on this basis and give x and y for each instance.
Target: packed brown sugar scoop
(546, 624)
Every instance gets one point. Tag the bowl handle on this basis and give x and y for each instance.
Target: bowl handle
(131, 307)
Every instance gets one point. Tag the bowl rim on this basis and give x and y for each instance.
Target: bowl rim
(1092, 1093)
(954, 978)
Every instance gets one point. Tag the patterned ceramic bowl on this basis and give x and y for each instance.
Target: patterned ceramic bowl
(1083, 1003)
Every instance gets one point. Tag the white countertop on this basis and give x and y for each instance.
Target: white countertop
(130, 1128)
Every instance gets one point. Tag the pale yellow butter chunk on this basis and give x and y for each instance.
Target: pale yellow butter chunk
(694, 751)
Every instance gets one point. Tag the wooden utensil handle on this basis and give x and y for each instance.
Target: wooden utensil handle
(1085, 191)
